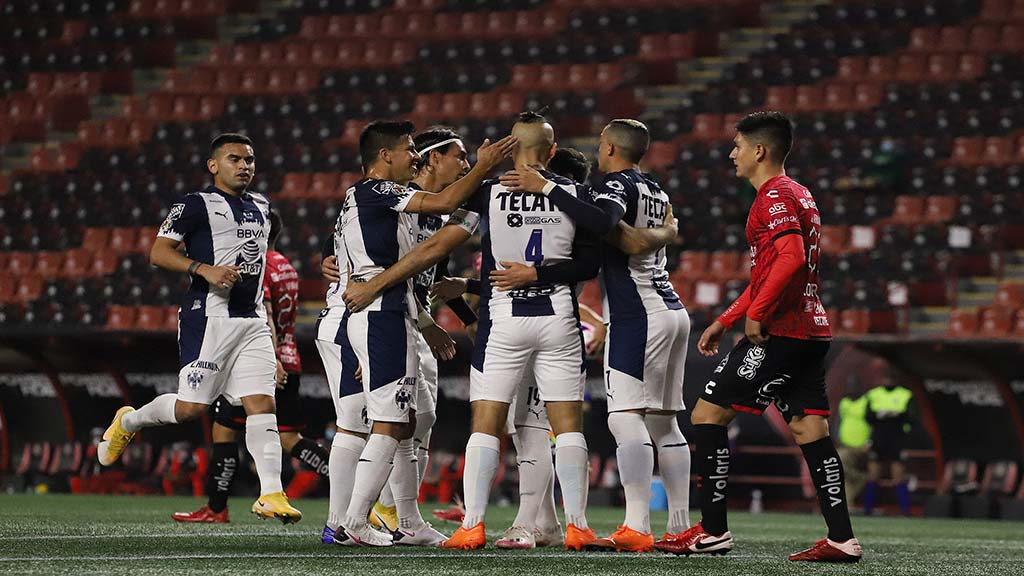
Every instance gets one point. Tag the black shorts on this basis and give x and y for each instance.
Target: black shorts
(289, 409)
(786, 371)
(887, 449)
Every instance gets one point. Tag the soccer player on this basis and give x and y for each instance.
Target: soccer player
(224, 341)
(781, 360)
(376, 224)
(280, 297)
(648, 332)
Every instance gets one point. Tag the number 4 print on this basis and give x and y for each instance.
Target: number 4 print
(534, 247)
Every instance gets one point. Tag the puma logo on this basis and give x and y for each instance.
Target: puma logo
(224, 214)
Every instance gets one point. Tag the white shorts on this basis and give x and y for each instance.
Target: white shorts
(385, 344)
(644, 359)
(340, 363)
(549, 347)
(233, 357)
(527, 409)
(426, 383)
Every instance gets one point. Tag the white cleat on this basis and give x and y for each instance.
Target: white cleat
(517, 538)
(364, 535)
(550, 536)
(424, 535)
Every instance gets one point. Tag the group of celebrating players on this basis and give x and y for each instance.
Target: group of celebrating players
(543, 232)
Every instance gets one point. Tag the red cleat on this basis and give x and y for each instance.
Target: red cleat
(828, 551)
(203, 515)
(695, 541)
(454, 514)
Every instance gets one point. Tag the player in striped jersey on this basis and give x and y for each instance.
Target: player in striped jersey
(224, 342)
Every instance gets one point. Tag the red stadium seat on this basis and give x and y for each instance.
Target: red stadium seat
(122, 240)
(693, 264)
(500, 23)
(838, 96)
(121, 317)
(144, 240)
(315, 28)
(1010, 295)
(295, 184)
(1012, 37)
(963, 322)
(95, 239)
(780, 98)
(967, 150)
(910, 67)
(953, 39)
(20, 263)
(454, 105)
(323, 53)
(995, 322)
(526, 76)
(104, 262)
(660, 155)
(150, 318)
(323, 184)
(833, 239)
(170, 319)
(554, 76)
(654, 47)
(252, 81)
(855, 321)
(809, 98)
(482, 104)
(939, 209)
(428, 105)
(508, 104)
(851, 68)
(1018, 324)
(984, 38)
(995, 10)
(908, 209)
(924, 39)
(867, 95)
(270, 55)
(997, 151)
(76, 263)
(296, 54)
(30, 287)
(707, 127)
(724, 265)
(970, 66)
(881, 68)
(49, 264)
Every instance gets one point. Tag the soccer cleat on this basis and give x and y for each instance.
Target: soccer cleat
(425, 535)
(203, 515)
(577, 539)
(695, 541)
(829, 551)
(276, 506)
(464, 539)
(364, 535)
(333, 537)
(517, 538)
(624, 539)
(115, 439)
(384, 517)
(550, 536)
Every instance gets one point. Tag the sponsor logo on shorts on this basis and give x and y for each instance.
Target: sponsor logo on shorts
(751, 362)
(721, 365)
(709, 388)
(769, 392)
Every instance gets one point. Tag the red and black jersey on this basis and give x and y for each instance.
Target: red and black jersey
(281, 288)
(783, 206)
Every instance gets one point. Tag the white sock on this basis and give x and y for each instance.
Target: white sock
(635, 457)
(264, 444)
(421, 440)
(158, 412)
(547, 516)
(345, 451)
(405, 485)
(674, 466)
(571, 467)
(371, 473)
(386, 498)
(482, 452)
(533, 453)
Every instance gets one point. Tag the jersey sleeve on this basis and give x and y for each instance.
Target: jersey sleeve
(183, 218)
(779, 215)
(388, 195)
(614, 189)
(465, 219)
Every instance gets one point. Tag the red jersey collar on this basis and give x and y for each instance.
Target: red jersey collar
(769, 183)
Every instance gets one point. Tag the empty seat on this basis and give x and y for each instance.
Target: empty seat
(692, 264)
(1010, 295)
(855, 321)
(908, 209)
(995, 322)
(150, 318)
(724, 264)
(121, 317)
(122, 240)
(49, 264)
(940, 208)
(963, 322)
(834, 238)
(660, 155)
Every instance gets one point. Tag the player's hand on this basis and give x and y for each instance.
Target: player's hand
(441, 344)
(670, 221)
(359, 373)
(449, 288)
(597, 342)
(281, 376)
(359, 295)
(514, 276)
(330, 270)
(527, 179)
(220, 277)
(755, 332)
(488, 155)
(709, 340)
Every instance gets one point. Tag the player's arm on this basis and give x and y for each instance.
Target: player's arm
(183, 218)
(488, 157)
(712, 336)
(790, 258)
(455, 303)
(632, 240)
(329, 261)
(584, 265)
(599, 218)
(440, 343)
(460, 227)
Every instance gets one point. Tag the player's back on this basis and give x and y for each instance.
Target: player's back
(636, 284)
(282, 283)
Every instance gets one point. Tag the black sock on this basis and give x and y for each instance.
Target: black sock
(313, 455)
(829, 480)
(221, 476)
(712, 461)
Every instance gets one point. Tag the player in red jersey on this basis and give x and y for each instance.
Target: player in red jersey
(280, 296)
(782, 358)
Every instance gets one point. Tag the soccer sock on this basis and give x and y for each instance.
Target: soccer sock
(405, 485)
(674, 467)
(635, 456)
(387, 498)
(158, 412)
(571, 467)
(870, 495)
(264, 444)
(903, 497)
(312, 455)
(533, 454)
(345, 451)
(221, 476)
(547, 516)
(713, 456)
(827, 473)
(421, 441)
(371, 474)
(482, 452)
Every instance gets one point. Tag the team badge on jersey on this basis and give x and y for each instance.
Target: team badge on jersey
(173, 215)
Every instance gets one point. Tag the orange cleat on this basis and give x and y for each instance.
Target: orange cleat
(463, 539)
(829, 551)
(624, 539)
(577, 539)
(203, 515)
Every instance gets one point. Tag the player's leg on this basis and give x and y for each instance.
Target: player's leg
(528, 428)
(871, 486)
(289, 422)
(228, 422)
(899, 476)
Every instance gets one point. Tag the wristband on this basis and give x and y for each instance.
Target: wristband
(424, 319)
(193, 267)
(548, 188)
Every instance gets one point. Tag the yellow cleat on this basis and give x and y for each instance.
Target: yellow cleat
(276, 506)
(115, 439)
(385, 517)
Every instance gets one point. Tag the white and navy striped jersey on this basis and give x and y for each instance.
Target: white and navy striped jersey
(526, 228)
(377, 234)
(223, 230)
(636, 285)
(424, 226)
(336, 289)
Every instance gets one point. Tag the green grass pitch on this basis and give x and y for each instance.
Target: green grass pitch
(60, 534)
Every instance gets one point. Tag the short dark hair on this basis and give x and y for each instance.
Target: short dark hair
(532, 116)
(381, 134)
(774, 129)
(276, 227)
(634, 139)
(570, 163)
(228, 138)
(431, 136)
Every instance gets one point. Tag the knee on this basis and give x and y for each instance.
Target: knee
(808, 429)
(259, 404)
(708, 413)
(424, 422)
(187, 411)
(289, 440)
(664, 428)
(628, 427)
